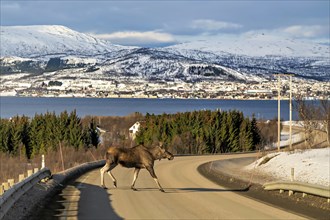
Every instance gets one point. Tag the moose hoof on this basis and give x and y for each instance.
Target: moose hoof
(162, 190)
(104, 187)
(134, 189)
(115, 184)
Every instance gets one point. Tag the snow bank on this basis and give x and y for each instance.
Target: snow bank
(285, 140)
(310, 166)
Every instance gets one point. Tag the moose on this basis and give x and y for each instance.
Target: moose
(138, 157)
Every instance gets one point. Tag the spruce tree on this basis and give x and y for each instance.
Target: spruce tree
(233, 132)
(5, 136)
(93, 134)
(75, 131)
(16, 135)
(255, 132)
(35, 127)
(246, 141)
(224, 133)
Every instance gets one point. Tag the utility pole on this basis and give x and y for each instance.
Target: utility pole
(279, 111)
(290, 146)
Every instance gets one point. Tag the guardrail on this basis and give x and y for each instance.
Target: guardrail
(56, 182)
(294, 186)
(67, 175)
(12, 195)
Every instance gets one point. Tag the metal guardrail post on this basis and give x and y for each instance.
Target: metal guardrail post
(29, 172)
(305, 188)
(2, 190)
(5, 185)
(21, 177)
(11, 182)
(42, 161)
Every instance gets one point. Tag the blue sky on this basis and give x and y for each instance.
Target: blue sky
(157, 23)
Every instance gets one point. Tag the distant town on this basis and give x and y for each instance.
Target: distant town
(139, 88)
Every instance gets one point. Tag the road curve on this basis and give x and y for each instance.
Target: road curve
(188, 196)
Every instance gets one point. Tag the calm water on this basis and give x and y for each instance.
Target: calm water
(12, 106)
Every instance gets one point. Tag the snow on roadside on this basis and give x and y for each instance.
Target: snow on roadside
(310, 166)
(285, 141)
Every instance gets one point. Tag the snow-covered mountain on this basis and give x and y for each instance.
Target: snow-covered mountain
(157, 64)
(256, 45)
(43, 40)
(39, 49)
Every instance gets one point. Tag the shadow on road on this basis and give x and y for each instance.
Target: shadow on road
(178, 190)
(190, 190)
(94, 203)
(80, 201)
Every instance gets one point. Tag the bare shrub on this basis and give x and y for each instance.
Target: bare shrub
(314, 117)
(325, 117)
(268, 132)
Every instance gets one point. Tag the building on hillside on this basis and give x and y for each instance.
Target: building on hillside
(134, 129)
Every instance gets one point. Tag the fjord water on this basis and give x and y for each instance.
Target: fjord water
(29, 106)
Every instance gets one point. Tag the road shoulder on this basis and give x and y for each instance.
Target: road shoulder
(229, 173)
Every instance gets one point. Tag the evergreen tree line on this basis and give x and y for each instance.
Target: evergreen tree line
(21, 135)
(201, 132)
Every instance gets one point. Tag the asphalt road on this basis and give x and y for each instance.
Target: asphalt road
(188, 195)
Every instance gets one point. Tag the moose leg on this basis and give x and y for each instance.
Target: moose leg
(112, 177)
(102, 171)
(107, 168)
(152, 173)
(136, 173)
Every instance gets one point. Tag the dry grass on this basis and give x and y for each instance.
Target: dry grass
(11, 167)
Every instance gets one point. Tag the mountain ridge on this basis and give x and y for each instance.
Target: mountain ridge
(42, 40)
(39, 49)
(256, 45)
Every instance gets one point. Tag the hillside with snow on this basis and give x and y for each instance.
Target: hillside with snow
(310, 166)
(42, 49)
(43, 40)
(255, 45)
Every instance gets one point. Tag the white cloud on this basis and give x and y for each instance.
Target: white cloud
(305, 31)
(138, 38)
(213, 25)
(160, 38)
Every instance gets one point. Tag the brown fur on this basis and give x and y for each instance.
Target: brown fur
(138, 157)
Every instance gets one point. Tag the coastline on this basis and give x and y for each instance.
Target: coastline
(146, 97)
